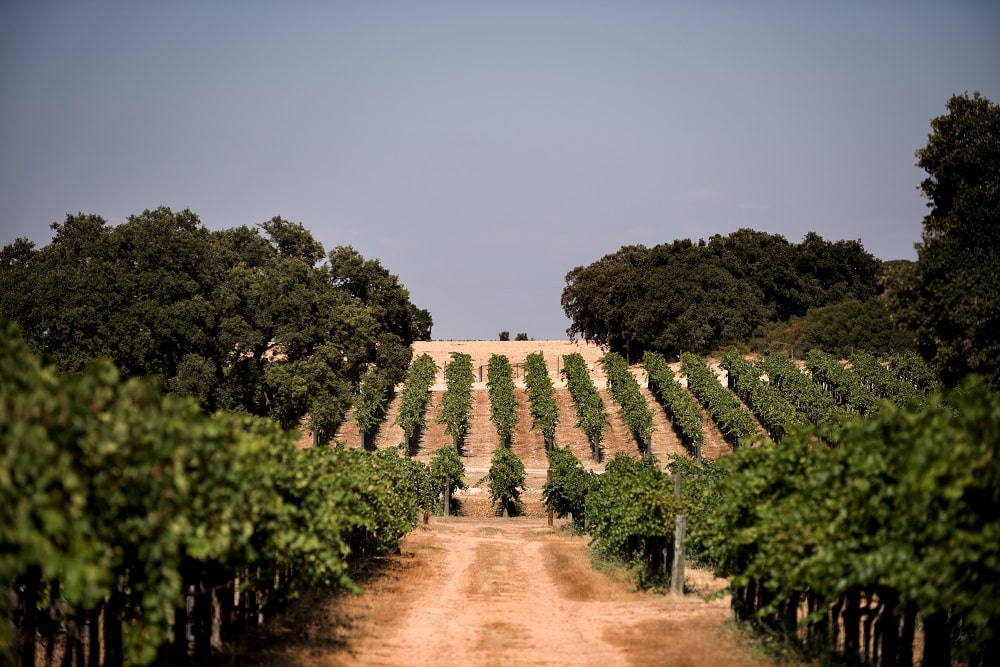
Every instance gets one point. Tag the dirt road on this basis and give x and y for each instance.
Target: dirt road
(504, 592)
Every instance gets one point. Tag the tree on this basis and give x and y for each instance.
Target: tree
(504, 336)
(950, 298)
(264, 324)
(521, 337)
(681, 296)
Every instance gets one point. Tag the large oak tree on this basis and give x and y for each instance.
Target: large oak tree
(258, 320)
(950, 297)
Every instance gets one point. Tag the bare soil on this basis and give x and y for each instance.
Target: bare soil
(493, 591)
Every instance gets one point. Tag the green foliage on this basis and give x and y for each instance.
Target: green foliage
(735, 423)
(904, 505)
(884, 383)
(541, 397)
(122, 495)
(236, 319)
(680, 407)
(631, 509)
(776, 414)
(566, 493)
(506, 479)
(503, 404)
(447, 471)
(504, 335)
(456, 403)
(591, 417)
(634, 408)
(950, 298)
(701, 485)
(521, 337)
(839, 328)
(416, 396)
(910, 367)
(844, 384)
(372, 401)
(700, 297)
(817, 406)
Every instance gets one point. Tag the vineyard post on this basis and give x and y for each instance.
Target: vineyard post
(680, 528)
(548, 478)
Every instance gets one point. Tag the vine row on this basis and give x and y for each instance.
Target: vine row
(415, 399)
(120, 506)
(634, 408)
(817, 406)
(590, 413)
(541, 397)
(733, 420)
(842, 383)
(774, 412)
(679, 405)
(503, 403)
(456, 403)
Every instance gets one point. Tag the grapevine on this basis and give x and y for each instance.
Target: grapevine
(732, 418)
(591, 417)
(634, 408)
(842, 383)
(415, 398)
(541, 397)
(773, 411)
(456, 403)
(503, 403)
(680, 407)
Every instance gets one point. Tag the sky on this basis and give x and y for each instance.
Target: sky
(481, 150)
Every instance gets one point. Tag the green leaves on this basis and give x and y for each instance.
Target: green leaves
(699, 297)
(904, 503)
(566, 493)
(625, 391)
(457, 400)
(732, 418)
(214, 314)
(591, 417)
(631, 508)
(113, 489)
(503, 404)
(678, 404)
(416, 395)
(775, 413)
(541, 397)
(506, 479)
(843, 383)
(447, 471)
(951, 297)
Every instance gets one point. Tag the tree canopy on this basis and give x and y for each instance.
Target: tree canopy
(950, 297)
(684, 296)
(257, 320)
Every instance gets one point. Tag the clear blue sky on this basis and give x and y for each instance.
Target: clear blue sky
(481, 150)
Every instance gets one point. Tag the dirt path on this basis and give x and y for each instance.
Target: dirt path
(503, 592)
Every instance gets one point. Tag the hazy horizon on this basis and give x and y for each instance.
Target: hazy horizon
(482, 150)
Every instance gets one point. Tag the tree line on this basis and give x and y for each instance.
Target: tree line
(257, 320)
(703, 296)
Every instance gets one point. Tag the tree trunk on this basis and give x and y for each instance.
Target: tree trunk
(28, 604)
(852, 625)
(937, 640)
(887, 627)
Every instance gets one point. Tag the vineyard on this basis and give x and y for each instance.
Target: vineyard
(852, 509)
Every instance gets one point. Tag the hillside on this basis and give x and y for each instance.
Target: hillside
(527, 441)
